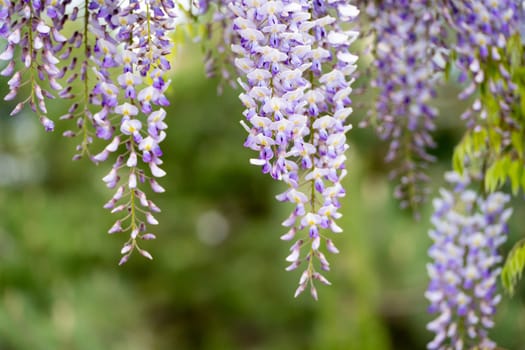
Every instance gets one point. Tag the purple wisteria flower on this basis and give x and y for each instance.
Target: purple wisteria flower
(122, 51)
(468, 230)
(407, 58)
(296, 69)
(35, 29)
(200, 7)
(218, 37)
(483, 30)
(130, 52)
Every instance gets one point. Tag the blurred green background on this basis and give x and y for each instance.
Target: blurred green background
(217, 280)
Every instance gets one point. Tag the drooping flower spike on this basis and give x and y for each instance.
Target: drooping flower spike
(122, 52)
(130, 51)
(296, 71)
(482, 31)
(407, 58)
(33, 30)
(467, 232)
(220, 35)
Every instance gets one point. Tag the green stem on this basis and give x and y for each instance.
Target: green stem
(85, 131)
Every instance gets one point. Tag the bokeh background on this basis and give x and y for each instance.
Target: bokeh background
(217, 280)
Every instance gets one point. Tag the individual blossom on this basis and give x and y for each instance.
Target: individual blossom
(467, 232)
(407, 59)
(199, 7)
(296, 72)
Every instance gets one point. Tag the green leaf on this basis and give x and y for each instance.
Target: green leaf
(515, 174)
(523, 180)
(522, 100)
(515, 49)
(458, 158)
(479, 141)
(513, 268)
(448, 69)
(517, 142)
(495, 140)
(491, 177)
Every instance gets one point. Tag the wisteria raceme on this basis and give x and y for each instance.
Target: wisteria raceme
(296, 111)
(468, 230)
(33, 28)
(483, 30)
(220, 35)
(123, 74)
(132, 42)
(81, 93)
(407, 58)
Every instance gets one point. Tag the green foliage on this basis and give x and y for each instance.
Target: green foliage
(503, 160)
(471, 145)
(497, 173)
(513, 268)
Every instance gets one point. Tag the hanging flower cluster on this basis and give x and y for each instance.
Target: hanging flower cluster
(131, 45)
(467, 233)
(296, 66)
(124, 48)
(407, 58)
(218, 60)
(33, 30)
(483, 30)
